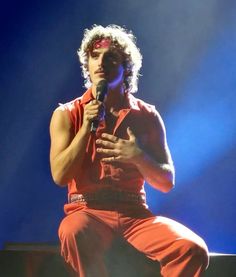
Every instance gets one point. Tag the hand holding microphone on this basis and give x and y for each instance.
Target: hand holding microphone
(101, 92)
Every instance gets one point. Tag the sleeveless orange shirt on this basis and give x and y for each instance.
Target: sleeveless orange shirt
(96, 175)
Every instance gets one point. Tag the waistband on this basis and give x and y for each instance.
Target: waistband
(108, 197)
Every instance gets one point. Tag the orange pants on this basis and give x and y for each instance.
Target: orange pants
(87, 233)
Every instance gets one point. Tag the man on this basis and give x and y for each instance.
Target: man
(105, 166)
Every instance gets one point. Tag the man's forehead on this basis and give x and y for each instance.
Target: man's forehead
(113, 52)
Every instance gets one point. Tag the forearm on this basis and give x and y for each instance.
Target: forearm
(159, 175)
(67, 164)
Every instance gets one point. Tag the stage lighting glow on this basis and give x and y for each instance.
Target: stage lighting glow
(201, 125)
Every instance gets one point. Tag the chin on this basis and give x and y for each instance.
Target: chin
(97, 80)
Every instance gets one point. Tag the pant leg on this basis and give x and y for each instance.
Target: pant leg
(84, 239)
(181, 252)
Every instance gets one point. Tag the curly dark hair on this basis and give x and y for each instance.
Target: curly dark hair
(120, 38)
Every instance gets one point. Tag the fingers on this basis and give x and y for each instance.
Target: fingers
(93, 105)
(94, 110)
(94, 102)
(109, 147)
(104, 143)
(108, 152)
(91, 115)
(111, 159)
(109, 137)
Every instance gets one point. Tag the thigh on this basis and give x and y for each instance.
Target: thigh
(156, 235)
(87, 229)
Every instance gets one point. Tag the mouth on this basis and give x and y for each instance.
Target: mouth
(100, 73)
(100, 70)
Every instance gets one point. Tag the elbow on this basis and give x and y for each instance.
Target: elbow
(59, 176)
(163, 186)
(169, 183)
(59, 179)
(167, 187)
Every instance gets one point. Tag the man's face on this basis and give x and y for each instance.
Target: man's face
(106, 63)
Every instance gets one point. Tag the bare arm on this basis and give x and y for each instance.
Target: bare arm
(159, 175)
(155, 165)
(67, 150)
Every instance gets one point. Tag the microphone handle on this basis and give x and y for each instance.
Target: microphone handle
(100, 94)
(94, 126)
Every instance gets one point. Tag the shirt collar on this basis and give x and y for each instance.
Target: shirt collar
(131, 101)
(87, 96)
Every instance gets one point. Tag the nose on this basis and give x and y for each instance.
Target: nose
(101, 60)
(105, 61)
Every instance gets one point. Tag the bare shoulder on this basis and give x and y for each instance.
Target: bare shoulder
(159, 121)
(154, 117)
(149, 110)
(60, 119)
(61, 132)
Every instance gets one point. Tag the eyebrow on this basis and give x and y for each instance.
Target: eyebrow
(94, 51)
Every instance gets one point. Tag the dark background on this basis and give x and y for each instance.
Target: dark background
(188, 73)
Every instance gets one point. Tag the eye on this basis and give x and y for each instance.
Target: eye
(113, 57)
(94, 55)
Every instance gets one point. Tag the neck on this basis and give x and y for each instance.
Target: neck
(114, 98)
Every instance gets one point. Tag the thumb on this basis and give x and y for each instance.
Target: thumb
(130, 134)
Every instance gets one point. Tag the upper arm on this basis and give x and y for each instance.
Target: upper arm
(61, 133)
(157, 142)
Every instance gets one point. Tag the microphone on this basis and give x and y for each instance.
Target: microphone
(101, 92)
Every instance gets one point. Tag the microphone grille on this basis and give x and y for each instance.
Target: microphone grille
(101, 90)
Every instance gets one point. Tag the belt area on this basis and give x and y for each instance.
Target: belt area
(108, 197)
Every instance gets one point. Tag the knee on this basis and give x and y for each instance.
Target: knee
(197, 250)
(71, 228)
